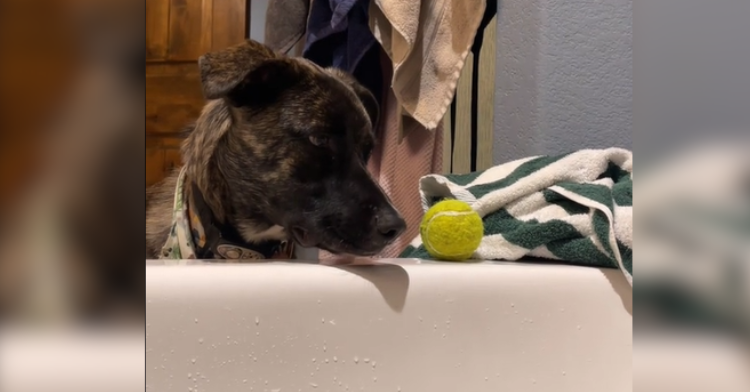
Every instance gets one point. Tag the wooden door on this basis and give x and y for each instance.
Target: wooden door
(177, 33)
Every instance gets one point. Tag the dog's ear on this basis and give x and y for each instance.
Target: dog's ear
(244, 72)
(365, 96)
(224, 70)
(369, 102)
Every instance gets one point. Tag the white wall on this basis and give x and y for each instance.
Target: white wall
(563, 76)
(258, 19)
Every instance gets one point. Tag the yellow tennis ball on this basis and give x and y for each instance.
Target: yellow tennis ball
(451, 230)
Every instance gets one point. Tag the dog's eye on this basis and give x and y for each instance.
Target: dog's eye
(320, 141)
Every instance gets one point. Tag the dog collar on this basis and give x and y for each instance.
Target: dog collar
(195, 234)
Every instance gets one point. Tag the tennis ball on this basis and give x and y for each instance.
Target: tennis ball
(451, 230)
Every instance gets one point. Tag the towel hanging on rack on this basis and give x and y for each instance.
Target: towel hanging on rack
(427, 42)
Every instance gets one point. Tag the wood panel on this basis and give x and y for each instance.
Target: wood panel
(448, 140)
(178, 33)
(472, 120)
(173, 99)
(233, 15)
(157, 36)
(486, 96)
(463, 131)
(186, 32)
(162, 156)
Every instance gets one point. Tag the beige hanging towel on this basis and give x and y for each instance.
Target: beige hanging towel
(427, 41)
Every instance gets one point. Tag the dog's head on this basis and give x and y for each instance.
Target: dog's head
(285, 142)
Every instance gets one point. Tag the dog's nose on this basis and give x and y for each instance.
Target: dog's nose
(390, 224)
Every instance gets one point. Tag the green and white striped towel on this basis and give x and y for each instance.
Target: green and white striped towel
(576, 207)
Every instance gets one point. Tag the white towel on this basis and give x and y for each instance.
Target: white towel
(576, 207)
(427, 41)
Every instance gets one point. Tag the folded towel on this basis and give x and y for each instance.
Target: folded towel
(427, 42)
(576, 207)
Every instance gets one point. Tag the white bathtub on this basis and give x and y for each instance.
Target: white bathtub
(415, 326)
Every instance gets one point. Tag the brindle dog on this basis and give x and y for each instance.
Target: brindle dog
(280, 152)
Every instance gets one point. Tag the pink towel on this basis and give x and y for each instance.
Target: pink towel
(399, 164)
(401, 158)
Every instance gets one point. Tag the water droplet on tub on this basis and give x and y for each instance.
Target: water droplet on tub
(190, 375)
(200, 340)
(193, 360)
(196, 321)
(579, 327)
(356, 359)
(367, 360)
(335, 359)
(257, 320)
(323, 320)
(314, 385)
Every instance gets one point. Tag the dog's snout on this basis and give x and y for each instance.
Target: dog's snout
(389, 224)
